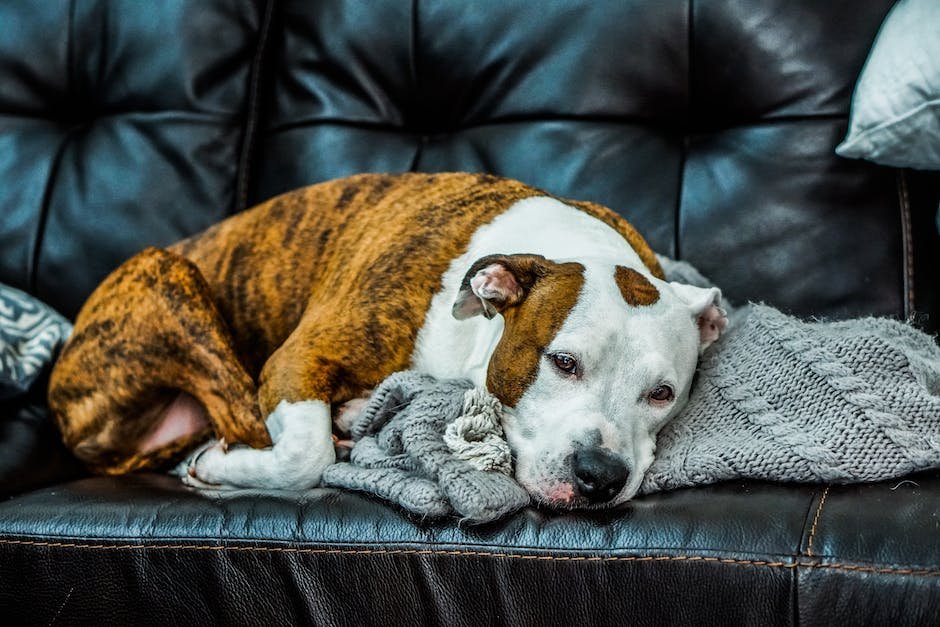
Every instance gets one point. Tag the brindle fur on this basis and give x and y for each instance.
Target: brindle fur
(316, 294)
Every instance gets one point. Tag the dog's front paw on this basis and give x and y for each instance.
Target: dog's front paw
(201, 469)
(193, 481)
(302, 449)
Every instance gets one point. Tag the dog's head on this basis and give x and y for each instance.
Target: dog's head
(594, 359)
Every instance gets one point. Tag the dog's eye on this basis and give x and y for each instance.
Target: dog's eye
(661, 394)
(565, 363)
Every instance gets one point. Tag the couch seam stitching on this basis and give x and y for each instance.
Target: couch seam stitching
(908, 245)
(70, 50)
(248, 139)
(413, 37)
(621, 120)
(32, 274)
(685, 146)
(32, 268)
(812, 532)
(488, 554)
(406, 117)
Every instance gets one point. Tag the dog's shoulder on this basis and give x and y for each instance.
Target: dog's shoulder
(625, 229)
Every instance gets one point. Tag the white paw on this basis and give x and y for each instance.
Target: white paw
(204, 465)
(302, 449)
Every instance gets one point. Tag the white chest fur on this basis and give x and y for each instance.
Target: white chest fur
(450, 348)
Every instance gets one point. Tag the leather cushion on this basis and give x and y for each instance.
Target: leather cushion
(121, 125)
(741, 553)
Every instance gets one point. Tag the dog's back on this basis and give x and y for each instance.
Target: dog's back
(367, 245)
(204, 316)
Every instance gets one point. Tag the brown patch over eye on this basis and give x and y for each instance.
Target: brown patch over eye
(635, 288)
(530, 327)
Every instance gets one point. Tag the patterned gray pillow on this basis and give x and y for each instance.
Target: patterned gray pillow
(31, 334)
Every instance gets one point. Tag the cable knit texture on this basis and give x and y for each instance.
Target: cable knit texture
(436, 448)
(780, 399)
(775, 398)
(785, 400)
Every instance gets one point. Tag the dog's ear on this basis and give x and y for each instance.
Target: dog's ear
(496, 282)
(705, 304)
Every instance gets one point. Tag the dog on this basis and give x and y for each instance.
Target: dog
(255, 330)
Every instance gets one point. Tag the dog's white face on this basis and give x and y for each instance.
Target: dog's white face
(594, 359)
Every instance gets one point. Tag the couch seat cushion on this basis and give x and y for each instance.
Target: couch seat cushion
(144, 548)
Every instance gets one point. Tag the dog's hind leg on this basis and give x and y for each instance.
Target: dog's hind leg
(150, 370)
(320, 363)
(296, 392)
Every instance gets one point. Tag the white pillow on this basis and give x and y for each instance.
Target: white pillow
(895, 118)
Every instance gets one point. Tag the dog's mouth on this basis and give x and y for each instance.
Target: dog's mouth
(562, 495)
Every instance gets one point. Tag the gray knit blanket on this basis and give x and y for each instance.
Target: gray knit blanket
(435, 448)
(780, 399)
(776, 399)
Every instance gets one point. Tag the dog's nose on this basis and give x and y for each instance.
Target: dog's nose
(599, 474)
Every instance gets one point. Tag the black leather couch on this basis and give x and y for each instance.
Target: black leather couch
(710, 124)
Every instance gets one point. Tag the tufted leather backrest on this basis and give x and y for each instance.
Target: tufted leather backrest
(710, 124)
(121, 125)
